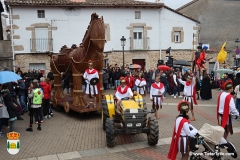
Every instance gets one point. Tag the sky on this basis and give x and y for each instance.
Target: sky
(174, 4)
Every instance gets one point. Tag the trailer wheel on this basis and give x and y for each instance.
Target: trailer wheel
(66, 107)
(154, 131)
(110, 135)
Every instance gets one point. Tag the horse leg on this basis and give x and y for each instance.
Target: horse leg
(58, 94)
(71, 86)
(101, 92)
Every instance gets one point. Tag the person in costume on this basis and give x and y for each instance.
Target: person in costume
(195, 58)
(201, 60)
(156, 95)
(224, 81)
(91, 90)
(181, 132)
(123, 91)
(189, 92)
(129, 80)
(225, 109)
(140, 83)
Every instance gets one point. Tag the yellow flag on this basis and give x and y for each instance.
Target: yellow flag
(222, 55)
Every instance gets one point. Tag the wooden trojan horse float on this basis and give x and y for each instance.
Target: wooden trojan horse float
(74, 60)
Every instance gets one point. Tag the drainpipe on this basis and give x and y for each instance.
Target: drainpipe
(11, 29)
(160, 36)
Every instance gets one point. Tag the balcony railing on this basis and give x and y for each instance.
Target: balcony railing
(41, 45)
(139, 44)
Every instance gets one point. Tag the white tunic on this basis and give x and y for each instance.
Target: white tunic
(188, 90)
(89, 77)
(232, 106)
(185, 132)
(154, 91)
(140, 83)
(119, 95)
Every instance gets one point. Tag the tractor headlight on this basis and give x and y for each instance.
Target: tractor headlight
(138, 125)
(129, 125)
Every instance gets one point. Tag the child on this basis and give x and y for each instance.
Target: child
(12, 110)
(197, 87)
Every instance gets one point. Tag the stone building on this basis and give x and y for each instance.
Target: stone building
(40, 26)
(219, 23)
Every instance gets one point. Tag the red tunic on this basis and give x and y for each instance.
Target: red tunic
(173, 151)
(129, 83)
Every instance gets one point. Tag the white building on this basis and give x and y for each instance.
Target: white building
(149, 28)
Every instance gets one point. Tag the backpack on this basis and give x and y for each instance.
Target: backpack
(37, 96)
(197, 55)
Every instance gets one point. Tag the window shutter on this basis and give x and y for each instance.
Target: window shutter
(172, 36)
(182, 36)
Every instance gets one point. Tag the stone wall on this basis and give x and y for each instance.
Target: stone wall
(6, 55)
(23, 60)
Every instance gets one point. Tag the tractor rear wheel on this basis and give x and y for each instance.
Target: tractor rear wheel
(104, 114)
(154, 131)
(110, 135)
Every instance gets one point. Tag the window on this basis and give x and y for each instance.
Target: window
(41, 13)
(177, 37)
(137, 14)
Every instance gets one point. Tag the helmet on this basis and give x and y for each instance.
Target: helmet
(90, 63)
(183, 107)
(205, 47)
(122, 80)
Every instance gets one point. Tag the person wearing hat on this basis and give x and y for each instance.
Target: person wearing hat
(201, 60)
(91, 90)
(225, 109)
(156, 95)
(140, 84)
(129, 80)
(181, 132)
(224, 81)
(189, 92)
(123, 91)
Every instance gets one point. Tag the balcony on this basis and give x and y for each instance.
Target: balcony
(41, 45)
(139, 44)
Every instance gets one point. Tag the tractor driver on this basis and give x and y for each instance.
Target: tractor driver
(123, 91)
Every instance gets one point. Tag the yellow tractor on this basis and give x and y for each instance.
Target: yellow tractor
(131, 118)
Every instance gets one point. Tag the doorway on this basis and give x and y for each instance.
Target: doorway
(41, 39)
(140, 62)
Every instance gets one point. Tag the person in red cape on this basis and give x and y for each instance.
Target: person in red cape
(123, 91)
(181, 132)
(140, 84)
(129, 80)
(225, 81)
(225, 108)
(156, 94)
(190, 92)
(91, 90)
(201, 60)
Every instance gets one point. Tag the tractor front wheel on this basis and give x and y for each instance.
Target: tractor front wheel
(154, 131)
(104, 114)
(110, 135)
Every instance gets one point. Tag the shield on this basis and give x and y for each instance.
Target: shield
(13, 146)
(94, 81)
(182, 63)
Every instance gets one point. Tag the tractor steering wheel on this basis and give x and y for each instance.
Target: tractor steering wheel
(125, 98)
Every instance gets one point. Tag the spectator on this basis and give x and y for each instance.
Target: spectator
(105, 79)
(116, 77)
(3, 112)
(129, 81)
(176, 90)
(21, 94)
(206, 91)
(36, 94)
(46, 87)
(66, 81)
(163, 80)
(39, 75)
(51, 78)
(12, 110)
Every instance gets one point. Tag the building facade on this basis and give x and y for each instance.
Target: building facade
(149, 29)
(219, 23)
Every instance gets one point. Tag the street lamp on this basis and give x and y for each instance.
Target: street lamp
(237, 42)
(123, 42)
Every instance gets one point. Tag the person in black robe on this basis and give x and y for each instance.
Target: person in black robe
(206, 90)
